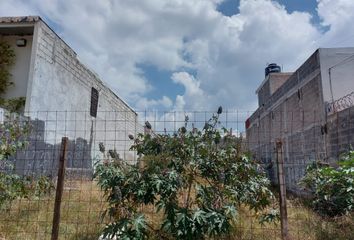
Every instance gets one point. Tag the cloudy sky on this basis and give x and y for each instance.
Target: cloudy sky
(191, 54)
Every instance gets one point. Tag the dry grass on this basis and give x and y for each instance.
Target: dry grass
(81, 209)
(83, 204)
(303, 224)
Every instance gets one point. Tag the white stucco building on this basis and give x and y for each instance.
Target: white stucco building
(69, 98)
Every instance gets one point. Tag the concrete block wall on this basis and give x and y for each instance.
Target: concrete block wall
(340, 133)
(264, 93)
(294, 115)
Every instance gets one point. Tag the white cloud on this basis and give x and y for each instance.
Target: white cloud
(193, 92)
(218, 59)
(144, 103)
(338, 15)
(191, 85)
(230, 61)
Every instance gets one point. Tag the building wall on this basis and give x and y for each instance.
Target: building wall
(20, 70)
(271, 83)
(58, 88)
(264, 93)
(341, 62)
(60, 94)
(276, 80)
(293, 114)
(340, 136)
(297, 115)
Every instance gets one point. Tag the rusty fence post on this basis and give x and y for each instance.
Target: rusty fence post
(282, 191)
(59, 190)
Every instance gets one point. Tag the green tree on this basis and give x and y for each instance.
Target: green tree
(196, 180)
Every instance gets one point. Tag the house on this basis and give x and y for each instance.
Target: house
(64, 98)
(310, 111)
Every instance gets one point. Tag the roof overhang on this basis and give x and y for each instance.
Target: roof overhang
(18, 25)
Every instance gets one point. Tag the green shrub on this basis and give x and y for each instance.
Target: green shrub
(13, 186)
(7, 59)
(196, 180)
(332, 188)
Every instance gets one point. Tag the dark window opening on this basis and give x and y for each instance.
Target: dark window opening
(299, 94)
(94, 102)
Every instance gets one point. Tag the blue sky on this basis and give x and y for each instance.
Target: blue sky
(192, 54)
(230, 7)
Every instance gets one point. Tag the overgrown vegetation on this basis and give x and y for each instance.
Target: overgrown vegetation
(195, 181)
(13, 104)
(12, 186)
(7, 59)
(82, 206)
(333, 188)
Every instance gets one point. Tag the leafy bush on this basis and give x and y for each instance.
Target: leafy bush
(195, 180)
(333, 188)
(7, 59)
(13, 186)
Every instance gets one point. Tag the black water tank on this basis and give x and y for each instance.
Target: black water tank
(273, 67)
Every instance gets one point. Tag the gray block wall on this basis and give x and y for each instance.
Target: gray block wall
(294, 115)
(340, 135)
(297, 115)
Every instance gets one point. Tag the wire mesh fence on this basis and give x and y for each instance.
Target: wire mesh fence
(31, 146)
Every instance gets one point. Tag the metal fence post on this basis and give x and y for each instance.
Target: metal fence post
(60, 187)
(282, 191)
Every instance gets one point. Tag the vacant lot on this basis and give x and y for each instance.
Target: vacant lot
(81, 209)
(83, 205)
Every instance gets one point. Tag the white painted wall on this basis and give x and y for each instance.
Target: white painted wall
(60, 94)
(341, 60)
(20, 70)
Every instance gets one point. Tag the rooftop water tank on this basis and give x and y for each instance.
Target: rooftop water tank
(273, 67)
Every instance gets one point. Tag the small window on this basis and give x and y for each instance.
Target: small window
(94, 102)
(299, 94)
